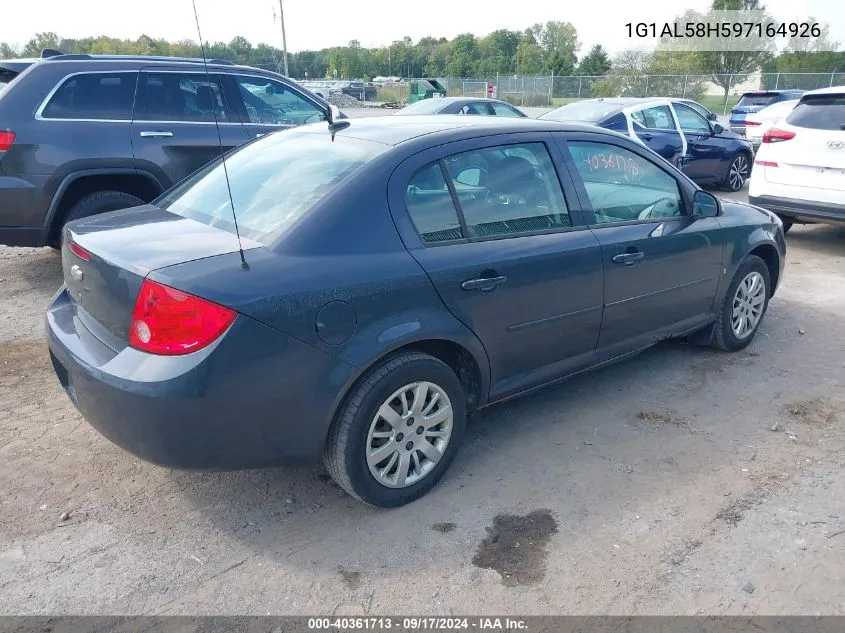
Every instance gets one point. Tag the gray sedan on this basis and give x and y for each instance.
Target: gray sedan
(463, 105)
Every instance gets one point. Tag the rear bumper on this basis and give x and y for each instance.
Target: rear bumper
(801, 209)
(254, 398)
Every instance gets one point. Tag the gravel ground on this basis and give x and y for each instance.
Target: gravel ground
(682, 481)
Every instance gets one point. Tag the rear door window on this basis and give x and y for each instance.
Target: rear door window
(97, 96)
(822, 112)
(192, 97)
(502, 110)
(655, 118)
(431, 207)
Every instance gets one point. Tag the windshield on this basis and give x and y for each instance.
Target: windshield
(586, 111)
(756, 100)
(274, 181)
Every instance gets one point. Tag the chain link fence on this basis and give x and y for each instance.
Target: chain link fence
(548, 90)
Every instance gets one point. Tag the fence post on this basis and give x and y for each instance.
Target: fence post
(552, 89)
(579, 85)
(831, 77)
(684, 95)
(727, 92)
(646, 86)
(777, 80)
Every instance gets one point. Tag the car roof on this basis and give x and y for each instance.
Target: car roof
(832, 90)
(392, 130)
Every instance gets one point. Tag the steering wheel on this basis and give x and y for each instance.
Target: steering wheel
(268, 117)
(662, 208)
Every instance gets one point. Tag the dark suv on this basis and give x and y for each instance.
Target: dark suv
(85, 134)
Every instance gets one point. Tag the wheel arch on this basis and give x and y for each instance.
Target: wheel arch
(83, 182)
(471, 366)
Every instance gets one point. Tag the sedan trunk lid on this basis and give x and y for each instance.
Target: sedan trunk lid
(106, 257)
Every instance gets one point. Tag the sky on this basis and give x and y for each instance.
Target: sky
(316, 24)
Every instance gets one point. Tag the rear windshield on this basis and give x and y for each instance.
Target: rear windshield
(586, 111)
(824, 112)
(757, 100)
(274, 181)
(426, 106)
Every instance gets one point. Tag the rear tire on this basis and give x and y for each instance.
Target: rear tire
(744, 306)
(92, 204)
(363, 450)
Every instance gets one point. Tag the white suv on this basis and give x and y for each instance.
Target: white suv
(799, 170)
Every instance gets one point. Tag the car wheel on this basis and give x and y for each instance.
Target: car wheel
(398, 431)
(95, 203)
(787, 223)
(738, 172)
(744, 305)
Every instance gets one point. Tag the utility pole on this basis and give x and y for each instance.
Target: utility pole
(284, 39)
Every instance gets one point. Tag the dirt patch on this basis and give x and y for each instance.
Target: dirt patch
(735, 511)
(443, 528)
(816, 412)
(351, 578)
(515, 546)
(656, 419)
(682, 551)
(21, 359)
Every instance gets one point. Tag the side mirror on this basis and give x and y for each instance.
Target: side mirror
(713, 116)
(705, 205)
(717, 128)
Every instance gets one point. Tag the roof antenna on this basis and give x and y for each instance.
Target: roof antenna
(244, 265)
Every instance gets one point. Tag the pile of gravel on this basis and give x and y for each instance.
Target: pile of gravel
(342, 100)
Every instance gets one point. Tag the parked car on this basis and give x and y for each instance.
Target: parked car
(396, 275)
(147, 123)
(702, 110)
(755, 101)
(799, 170)
(758, 123)
(702, 149)
(462, 105)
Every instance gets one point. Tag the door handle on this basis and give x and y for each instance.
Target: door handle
(646, 136)
(628, 258)
(483, 283)
(155, 134)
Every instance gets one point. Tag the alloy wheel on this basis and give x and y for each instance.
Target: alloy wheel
(748, 303)
(738, 172)
(409, 434)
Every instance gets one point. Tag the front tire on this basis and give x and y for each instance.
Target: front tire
(738, 172)
(397, 431)
(744, 306)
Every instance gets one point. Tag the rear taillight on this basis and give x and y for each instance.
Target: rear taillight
(776, 135)
(169, 321)
(766, 163)
(7, 139)
(749, 123)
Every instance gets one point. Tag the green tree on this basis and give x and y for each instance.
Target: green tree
(463, 57)
(560, 46)
(529, 57)
(729, 67)
(596, 62)
(38, 43)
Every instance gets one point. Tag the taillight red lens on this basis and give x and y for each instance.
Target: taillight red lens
(7, 138)
(766, 163)
(80, 252)
(751, 123)
(776, 135)
(168, 321)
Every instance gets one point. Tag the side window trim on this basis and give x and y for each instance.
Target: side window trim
(676, 124)
(587, 205)
(441, 163)
(39, 112)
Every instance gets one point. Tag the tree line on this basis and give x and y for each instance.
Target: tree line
(543, 49)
